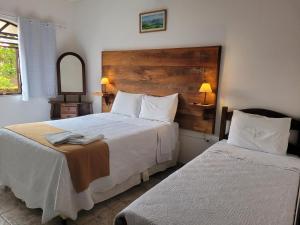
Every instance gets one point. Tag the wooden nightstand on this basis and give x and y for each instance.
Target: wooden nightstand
(209, 111)
(64, 110)
(107, 100)
(69, 110)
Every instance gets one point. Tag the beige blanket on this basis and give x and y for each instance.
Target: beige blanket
(86, 162)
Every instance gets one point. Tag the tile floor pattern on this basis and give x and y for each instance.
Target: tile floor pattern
(14, 212)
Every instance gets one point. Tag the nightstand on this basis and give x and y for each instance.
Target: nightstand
(201, 106)
(64, 110)
(107, 100)
(69, 110)
(208, 110)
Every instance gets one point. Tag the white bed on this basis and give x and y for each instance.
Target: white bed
(40, 176)
(226, 185)
(250, 179)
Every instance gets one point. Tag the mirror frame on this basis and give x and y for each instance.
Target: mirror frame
(60, 92)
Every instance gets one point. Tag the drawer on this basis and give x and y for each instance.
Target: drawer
(66, 116)
(68, 109)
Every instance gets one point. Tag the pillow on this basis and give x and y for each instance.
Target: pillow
(127, 104)
(259, 132)
(159, 108)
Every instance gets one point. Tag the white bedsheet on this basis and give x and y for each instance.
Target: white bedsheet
(40, 176)
(225, 185)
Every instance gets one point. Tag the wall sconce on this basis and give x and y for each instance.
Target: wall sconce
(205, 88)
(104, 82)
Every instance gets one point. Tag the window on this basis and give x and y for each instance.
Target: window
(9, 59)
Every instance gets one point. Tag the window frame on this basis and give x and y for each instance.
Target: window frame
(16, 47)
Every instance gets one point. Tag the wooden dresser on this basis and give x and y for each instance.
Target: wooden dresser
(64, 110)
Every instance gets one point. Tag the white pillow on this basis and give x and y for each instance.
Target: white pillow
(259, 132)
(159, 108)
(127, 104)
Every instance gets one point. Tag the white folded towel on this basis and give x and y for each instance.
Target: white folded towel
(68, 137)
(61, 137)
(85, 140)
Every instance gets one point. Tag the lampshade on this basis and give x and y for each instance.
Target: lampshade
(205, 88)
(104, 80)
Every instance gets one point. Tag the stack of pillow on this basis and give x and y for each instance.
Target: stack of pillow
(146, 107)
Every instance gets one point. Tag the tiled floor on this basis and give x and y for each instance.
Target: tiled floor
(14, 211)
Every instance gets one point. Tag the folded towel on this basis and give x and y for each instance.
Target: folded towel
(85, 139)
(62, 137)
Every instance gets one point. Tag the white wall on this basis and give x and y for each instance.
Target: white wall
(13, 110)
(260, 39)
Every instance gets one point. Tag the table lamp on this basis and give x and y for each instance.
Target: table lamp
(104, 82)
(205, 88)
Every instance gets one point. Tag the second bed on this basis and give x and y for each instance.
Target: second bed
(228, 184)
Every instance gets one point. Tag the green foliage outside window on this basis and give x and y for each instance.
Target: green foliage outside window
(8, 70)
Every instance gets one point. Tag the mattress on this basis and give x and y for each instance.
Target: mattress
(40, 175)
(226, 185)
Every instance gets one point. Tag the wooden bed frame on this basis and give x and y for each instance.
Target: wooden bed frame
(161, 72)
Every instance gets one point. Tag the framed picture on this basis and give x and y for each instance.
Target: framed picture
(153, 21)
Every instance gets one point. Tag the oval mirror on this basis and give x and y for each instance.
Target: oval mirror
(71, 74)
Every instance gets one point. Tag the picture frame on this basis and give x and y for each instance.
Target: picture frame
(153, 21)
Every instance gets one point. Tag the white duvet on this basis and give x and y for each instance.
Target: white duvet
(40, 176)
(226, 185)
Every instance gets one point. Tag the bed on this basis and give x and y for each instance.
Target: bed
(225, 185)
(40, 176)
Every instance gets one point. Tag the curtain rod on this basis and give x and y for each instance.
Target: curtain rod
(14, 16)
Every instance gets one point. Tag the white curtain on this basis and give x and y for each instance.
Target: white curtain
(37, 47)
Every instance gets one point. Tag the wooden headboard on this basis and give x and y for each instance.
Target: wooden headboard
(161, 72)
(295, 124)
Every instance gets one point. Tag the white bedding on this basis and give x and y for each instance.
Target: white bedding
(40, 176)
(226, 185)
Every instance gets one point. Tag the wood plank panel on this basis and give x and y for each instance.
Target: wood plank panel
(163, 57)
(161, 72)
